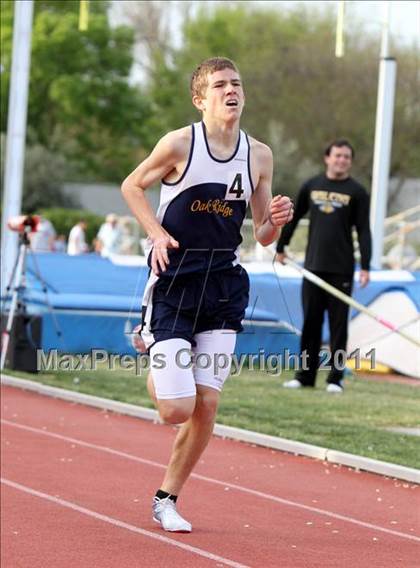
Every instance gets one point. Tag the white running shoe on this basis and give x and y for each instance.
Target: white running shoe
(293, 384)
(334, 389)
(165, 513)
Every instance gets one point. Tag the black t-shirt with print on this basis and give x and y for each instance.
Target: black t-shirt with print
(335, 207)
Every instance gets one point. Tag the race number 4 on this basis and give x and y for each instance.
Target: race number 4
(235, 190)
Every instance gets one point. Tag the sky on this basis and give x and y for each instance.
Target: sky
(404, 16)
(404, 20)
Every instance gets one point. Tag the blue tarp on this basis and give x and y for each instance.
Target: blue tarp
(92, 299)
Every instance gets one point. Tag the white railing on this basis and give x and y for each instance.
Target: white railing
(398, 227)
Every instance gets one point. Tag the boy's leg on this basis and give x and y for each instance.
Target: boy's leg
(213, 353)
(217, 347)
(171, 385)
(173, 380)
(191, 440)
(190, 443)
(151, 388)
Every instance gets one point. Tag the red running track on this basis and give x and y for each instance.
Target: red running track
(77, 485)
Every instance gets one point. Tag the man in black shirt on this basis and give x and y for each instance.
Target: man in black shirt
(336, 203)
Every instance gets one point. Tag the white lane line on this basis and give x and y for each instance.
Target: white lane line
(254, 492)
(122, 524)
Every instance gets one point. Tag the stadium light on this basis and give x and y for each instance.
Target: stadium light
(383, 141)
(16, 133)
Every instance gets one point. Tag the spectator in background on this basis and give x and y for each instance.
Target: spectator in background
(129, 239)
(109, 236)
(96, 245)
(336, 202)
(42, 240)
(77, 239)
(60, 244)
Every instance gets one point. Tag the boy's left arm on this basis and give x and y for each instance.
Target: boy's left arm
(269, 214)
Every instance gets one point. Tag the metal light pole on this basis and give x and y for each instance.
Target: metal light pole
(383, 141)
(16, 133)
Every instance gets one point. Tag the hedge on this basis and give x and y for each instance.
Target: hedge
(64, 219)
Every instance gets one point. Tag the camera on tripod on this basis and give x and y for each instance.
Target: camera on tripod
(24, 223)
(20, 331)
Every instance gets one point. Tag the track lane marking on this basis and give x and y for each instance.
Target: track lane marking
(121, 524)
(247, 490)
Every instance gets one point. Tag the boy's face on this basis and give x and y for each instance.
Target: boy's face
(224, 97)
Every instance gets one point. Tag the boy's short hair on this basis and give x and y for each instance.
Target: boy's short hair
(339, 143)
(199, 78)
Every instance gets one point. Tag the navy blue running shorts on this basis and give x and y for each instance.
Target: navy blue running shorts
(193, 303)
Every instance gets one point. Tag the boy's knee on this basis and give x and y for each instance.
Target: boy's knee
(207, 402)
(173, 412)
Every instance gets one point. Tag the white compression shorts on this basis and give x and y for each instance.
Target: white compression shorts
(177, 367)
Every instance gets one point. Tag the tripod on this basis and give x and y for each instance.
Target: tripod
(18, 280)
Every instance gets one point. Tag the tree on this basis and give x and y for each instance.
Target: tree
(298, 94)
(166, 83)
(80, 100)
(45, 172)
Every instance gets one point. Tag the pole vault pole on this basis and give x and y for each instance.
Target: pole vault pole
(349, 300)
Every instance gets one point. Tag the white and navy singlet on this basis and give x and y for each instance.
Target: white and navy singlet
(204, 211)
(205, 208)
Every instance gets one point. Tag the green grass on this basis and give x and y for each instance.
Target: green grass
(356, 422)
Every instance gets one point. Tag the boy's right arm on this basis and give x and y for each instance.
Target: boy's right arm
(168, 153)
